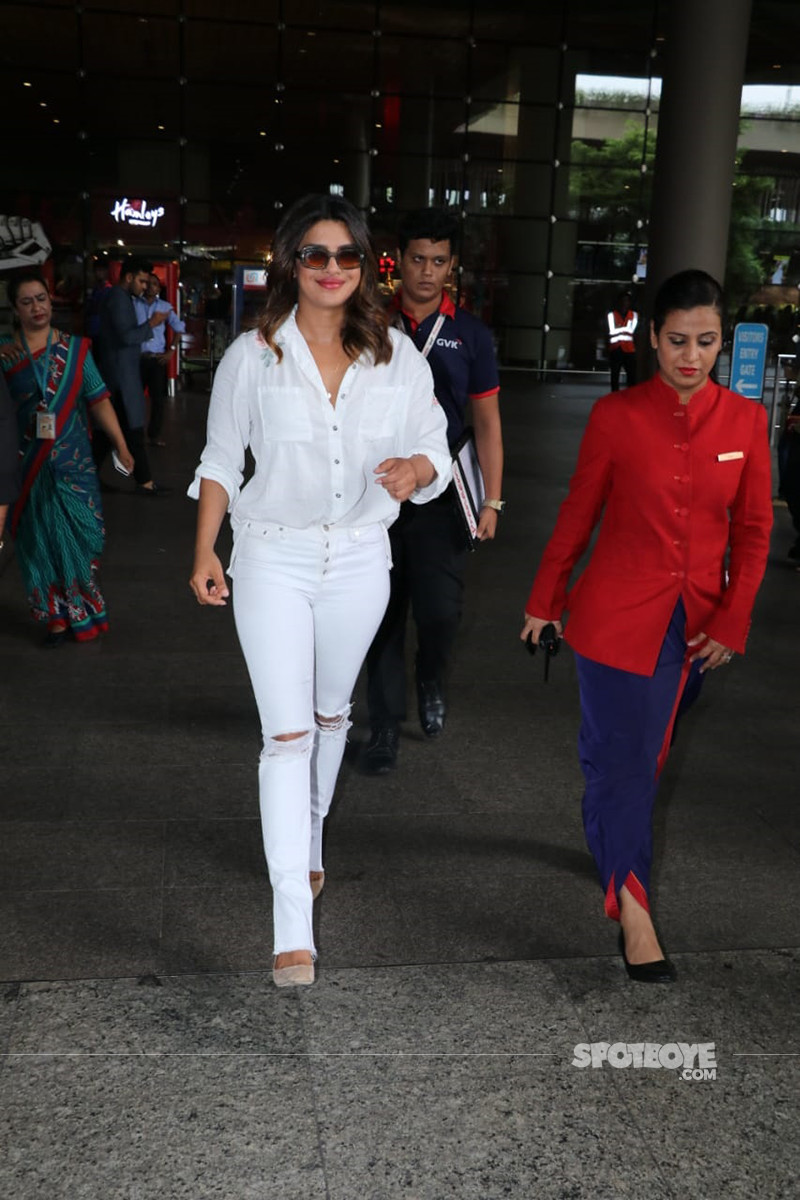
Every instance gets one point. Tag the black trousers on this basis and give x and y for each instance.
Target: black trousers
(154, 378)
(790, 476)
(427, 575)
(101, 444)
(617, 360)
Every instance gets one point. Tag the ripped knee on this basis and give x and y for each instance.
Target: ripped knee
(288, 745)
(340, 723)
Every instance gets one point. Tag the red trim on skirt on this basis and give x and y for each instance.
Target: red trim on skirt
(636, 890)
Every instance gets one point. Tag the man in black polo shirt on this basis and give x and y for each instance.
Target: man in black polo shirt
(427, 540)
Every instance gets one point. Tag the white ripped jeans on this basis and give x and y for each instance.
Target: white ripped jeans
(307, 605)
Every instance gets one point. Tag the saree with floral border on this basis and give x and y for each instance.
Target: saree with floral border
(57, 521)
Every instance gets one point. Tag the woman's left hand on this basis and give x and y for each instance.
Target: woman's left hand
(713, 654)
(398, 476)
(487, 524)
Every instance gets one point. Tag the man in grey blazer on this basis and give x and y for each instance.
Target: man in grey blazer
(119, 351)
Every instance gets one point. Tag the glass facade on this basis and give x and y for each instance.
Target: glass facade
(537, 127)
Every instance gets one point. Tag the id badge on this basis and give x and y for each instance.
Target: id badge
(45, 425)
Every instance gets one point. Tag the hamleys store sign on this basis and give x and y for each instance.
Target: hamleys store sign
(136, 212)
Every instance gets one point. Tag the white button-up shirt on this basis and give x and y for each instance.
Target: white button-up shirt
(314, 464)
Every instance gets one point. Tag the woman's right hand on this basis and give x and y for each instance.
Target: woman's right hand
(208, 580)
(535, 625)
(125, 457)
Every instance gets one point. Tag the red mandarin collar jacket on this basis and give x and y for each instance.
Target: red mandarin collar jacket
(675, 485)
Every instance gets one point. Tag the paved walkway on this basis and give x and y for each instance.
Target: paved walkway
(463, 951)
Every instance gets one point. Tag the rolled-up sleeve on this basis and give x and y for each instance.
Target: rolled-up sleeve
(228, 428)
(174, 321)
(426, 429)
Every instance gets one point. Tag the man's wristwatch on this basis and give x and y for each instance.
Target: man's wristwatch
(497, 505)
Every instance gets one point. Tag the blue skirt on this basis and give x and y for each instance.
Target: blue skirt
(627, 725)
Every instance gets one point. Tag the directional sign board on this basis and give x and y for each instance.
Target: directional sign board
(749, 360)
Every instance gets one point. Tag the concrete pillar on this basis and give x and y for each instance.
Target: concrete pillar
(356, 162)
(698, 125)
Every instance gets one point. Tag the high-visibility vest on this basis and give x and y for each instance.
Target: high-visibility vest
(620, 330)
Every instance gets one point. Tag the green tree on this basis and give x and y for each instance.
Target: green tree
(608, 187)
(609, 193)
(744, 269)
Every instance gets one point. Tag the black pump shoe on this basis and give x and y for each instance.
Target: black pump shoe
(661, 971)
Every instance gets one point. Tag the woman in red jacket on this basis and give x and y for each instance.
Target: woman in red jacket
(678, 469)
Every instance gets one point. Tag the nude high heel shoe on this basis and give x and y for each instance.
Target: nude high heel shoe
(295, 975)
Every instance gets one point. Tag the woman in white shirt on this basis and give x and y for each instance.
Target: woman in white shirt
(339, 413)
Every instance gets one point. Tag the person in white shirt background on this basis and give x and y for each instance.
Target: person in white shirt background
(340, 416)
(156, 355)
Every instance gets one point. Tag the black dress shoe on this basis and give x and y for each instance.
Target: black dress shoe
(661, 971)
(432, 709)
(380, 756)
(156, 490)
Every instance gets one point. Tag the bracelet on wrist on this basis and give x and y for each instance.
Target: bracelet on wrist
(497, 505)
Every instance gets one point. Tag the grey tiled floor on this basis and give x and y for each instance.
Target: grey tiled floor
(463, 951)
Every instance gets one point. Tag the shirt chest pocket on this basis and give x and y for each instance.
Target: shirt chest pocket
(381, 415)
(284, 414)
(727, 473)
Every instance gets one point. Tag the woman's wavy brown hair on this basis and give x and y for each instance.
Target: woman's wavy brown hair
(366, 324)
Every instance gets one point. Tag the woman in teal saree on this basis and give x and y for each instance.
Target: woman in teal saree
(57, 520)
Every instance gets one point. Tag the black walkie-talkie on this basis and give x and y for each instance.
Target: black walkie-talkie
(549, 641)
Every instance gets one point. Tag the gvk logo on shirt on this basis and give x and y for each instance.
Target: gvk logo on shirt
(695, 1060)
(449, 343)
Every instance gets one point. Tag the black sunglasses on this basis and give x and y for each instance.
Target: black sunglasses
(348, 258)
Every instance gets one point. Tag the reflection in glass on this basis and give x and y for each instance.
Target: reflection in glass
(150, 47)
(240, 54)
(422, 68)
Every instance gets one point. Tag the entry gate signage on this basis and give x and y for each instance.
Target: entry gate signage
(749, 360)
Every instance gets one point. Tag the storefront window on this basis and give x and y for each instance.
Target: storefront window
(537, 128)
